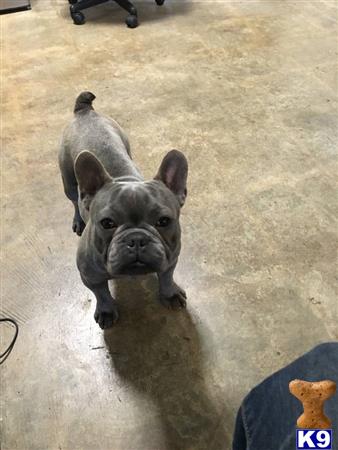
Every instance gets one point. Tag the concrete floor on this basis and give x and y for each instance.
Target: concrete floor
(247, 89)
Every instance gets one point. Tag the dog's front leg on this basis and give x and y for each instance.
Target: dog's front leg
(171, 295)
(106, 312)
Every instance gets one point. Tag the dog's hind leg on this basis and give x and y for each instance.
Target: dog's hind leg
(71, 191)
(78, 223)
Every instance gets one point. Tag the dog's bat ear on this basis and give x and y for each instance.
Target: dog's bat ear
(90, 173)
(173, 172)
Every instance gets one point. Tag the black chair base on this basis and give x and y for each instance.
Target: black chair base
(76, 6)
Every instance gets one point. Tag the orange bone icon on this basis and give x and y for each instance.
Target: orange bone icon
(313, 396)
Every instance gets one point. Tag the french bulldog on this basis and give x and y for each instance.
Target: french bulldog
(128, 226)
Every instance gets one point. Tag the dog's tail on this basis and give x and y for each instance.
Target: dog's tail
(84, 102)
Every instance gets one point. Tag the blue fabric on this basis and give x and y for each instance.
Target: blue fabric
(267, 417)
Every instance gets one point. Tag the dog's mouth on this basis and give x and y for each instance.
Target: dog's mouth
(136, 267)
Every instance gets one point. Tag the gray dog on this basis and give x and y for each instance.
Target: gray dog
(128, 226)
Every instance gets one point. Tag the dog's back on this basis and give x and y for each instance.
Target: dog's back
(101, 136)
(98, 134)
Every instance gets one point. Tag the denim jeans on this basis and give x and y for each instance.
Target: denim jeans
(267, 417)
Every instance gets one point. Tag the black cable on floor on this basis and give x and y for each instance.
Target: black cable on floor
(6, 353)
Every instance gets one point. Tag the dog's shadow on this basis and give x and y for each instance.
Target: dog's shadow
(158, 353)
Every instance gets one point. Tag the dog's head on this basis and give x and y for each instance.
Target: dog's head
(134, 224)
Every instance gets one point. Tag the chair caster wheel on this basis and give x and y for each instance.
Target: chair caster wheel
(72, 2)
(78, 18)
(132, 21)
(160, 2)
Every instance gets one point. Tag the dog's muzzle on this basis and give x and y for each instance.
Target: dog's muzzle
(136, 251)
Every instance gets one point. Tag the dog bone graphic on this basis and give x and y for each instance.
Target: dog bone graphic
(313, 396)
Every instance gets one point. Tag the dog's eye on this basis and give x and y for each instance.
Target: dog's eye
(163, 222)
(108, 223)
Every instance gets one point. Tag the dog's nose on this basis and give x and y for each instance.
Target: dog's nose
(137, 240)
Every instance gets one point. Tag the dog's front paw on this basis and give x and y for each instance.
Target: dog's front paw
(78, 226)
(106, 318)
(177, 299)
